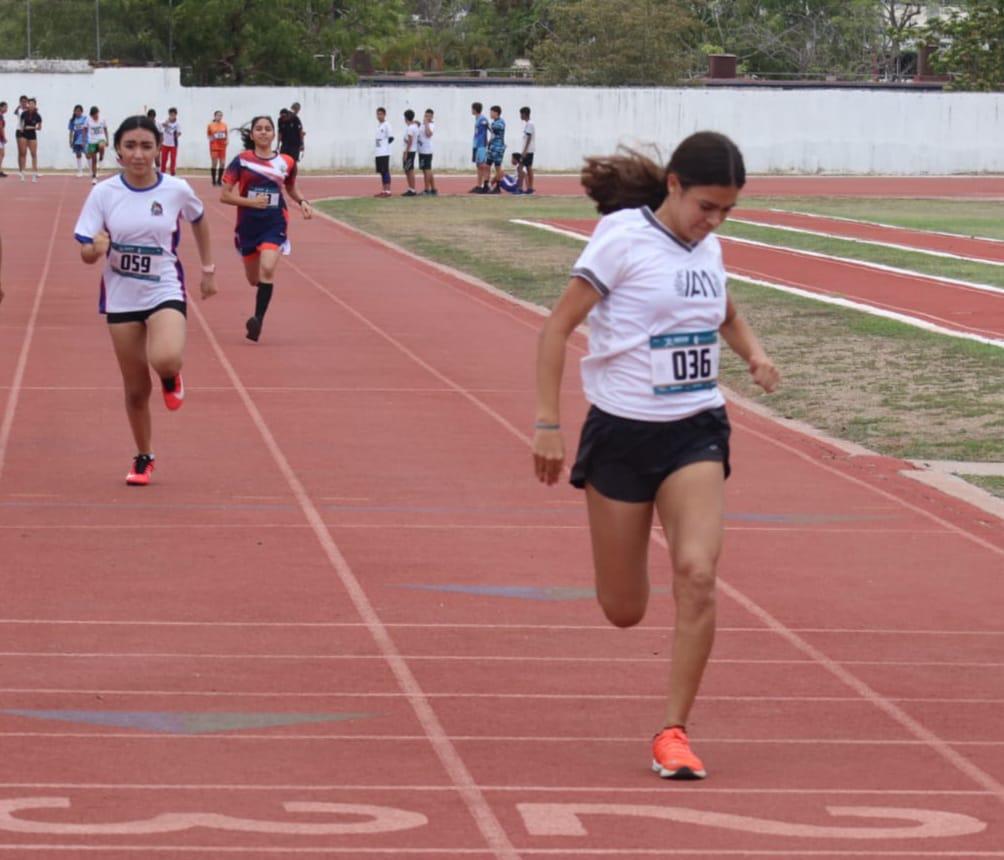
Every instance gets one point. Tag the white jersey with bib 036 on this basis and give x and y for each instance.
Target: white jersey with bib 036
(653, 338)
(142, 269)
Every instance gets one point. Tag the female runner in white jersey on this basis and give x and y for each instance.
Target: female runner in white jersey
(133, 221)
(656, 439)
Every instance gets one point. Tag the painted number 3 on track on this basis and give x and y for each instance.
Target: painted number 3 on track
(35, 815)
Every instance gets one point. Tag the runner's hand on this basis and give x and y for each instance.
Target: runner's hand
(548, 455)
(764, 373)
(259, 202)
(208, 285)
(102, 242)
(306, 209)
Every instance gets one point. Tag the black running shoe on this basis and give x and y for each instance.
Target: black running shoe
(253, 326)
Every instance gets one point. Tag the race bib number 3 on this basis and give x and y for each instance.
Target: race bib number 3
(135, 261)
(684, 362)
(271, 197)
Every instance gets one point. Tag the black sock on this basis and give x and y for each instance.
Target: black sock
(212, 173)
(262, 299)
(168, 384)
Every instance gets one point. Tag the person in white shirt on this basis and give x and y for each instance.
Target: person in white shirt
(97, 141)
(529, 148)
(169, 149)
(410, 151)
(425, 133)
(384, 138)
(656, 439)
(131, 222)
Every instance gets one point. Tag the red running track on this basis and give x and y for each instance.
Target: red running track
(968, 187)
(345, 621)
(968, 247)
(954, 306)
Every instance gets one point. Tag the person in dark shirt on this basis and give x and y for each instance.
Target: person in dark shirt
(290, 134)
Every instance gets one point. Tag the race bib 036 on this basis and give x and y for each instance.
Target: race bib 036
(684, 362)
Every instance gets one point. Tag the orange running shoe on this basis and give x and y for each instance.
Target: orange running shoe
(174, 398)
(142, 468)
(672, 757)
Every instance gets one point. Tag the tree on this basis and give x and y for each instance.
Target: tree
(630, 42)
(972, 45)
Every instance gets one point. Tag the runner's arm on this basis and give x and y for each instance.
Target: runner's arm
(743, 341)
(572, 308)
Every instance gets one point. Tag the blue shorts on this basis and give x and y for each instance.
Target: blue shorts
(79, 149)
(252, 238)
(479, 155)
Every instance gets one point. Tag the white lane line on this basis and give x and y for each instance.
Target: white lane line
(886, 226)
(446, 625)
(549, 789)
(481, 658)
(588, 697)
(490, 827)
(22, 359)
(910, 274)
(913, 249)
(825, 298)
(280, 737)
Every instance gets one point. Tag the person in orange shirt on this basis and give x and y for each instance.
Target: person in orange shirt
(217, 132)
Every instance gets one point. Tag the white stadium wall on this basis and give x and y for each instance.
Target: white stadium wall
(780, 131)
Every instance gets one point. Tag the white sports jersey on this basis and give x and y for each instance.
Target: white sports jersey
(171, 130)
(142, 269)
(97, 131)
(653, 339)
(413, 133)
(529, 136)
(425, 140)
(383, 136)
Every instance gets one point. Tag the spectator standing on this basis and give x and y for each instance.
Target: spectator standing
(295, 110)
(410, 150)
(290, 134)
(529, 148)
(425, 132)
(3, 136)
(77, 128)
(31, 125)
(97, 141)
(384, 138)
(496, 147)
(22, 145)
(216, 133)
(169, 148)
(479, 148)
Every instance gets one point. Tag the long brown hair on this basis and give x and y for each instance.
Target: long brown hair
(630, 179)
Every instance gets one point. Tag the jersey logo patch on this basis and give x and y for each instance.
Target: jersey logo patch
(690, 283)
(156, 208)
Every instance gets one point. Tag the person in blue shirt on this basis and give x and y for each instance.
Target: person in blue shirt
(77, 126)
(479, 148)
(496, 147)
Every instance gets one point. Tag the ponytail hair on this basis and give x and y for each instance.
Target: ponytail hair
(630, 179)
(131, 123)
(246, 129)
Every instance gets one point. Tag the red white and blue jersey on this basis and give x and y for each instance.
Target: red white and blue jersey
(254, 176)
(142, 269)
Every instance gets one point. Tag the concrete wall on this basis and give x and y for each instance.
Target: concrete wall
(796, 131)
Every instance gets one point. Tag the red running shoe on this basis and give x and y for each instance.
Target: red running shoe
(175, 398)
(672, 757)
(142, 469)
